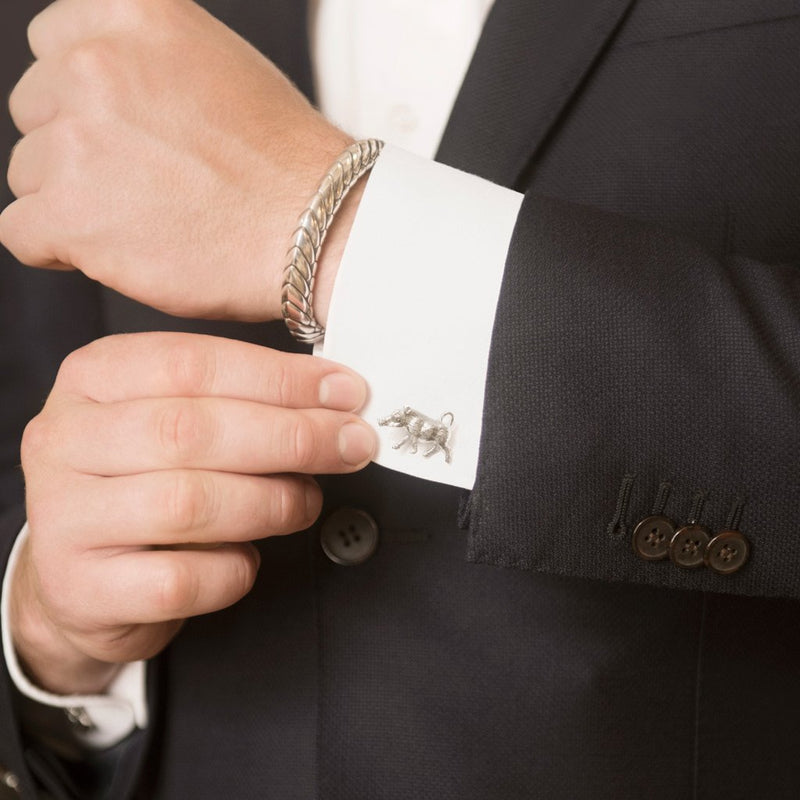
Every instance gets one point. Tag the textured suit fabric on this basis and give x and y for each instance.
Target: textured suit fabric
(505, 643)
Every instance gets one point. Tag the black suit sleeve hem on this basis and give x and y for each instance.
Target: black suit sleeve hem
(624, 353)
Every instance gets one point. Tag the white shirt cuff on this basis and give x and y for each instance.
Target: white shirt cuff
(414, 302)
(113, 715)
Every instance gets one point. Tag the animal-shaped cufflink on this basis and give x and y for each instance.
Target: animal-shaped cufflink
(421, 428)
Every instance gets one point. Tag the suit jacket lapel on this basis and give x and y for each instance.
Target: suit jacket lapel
(531, 58)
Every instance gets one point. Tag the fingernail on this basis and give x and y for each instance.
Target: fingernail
(342, 391)
(356, 443)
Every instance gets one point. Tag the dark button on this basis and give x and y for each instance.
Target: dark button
(651, 538)
(727, 552)
(688, 546)
(349, 536)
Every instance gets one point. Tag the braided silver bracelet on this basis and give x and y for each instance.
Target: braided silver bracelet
(297, 295)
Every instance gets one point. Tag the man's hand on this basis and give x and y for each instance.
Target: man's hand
(155, 462)
(165, 157)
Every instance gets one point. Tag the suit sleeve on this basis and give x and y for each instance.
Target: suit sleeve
(639, 417)
(633, 373)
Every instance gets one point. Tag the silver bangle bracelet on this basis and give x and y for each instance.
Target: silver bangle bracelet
(297, 295)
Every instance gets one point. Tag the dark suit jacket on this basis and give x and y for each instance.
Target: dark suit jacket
(507, 643)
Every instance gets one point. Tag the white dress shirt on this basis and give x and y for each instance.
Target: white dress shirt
(413, 305)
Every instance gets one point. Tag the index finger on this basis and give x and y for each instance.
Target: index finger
(167, 364)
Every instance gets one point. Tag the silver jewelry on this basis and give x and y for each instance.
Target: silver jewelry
(297, 295)
(78, 717)
(420, 428)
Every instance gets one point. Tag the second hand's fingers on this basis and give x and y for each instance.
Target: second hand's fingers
(159, 585)
(173, 507)
(183, 365)
(208, 433)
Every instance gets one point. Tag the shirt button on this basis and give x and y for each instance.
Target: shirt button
(402, 119)
(651, 538)
(688, 546)
(349, 536)
(727, 552)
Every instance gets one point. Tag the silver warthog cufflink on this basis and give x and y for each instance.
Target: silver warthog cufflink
(421, 428)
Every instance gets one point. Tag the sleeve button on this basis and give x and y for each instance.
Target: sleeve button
(727, 552)
(651, 538)
(688, 546)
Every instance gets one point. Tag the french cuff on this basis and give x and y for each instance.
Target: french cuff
(97, 721)
(413, 309)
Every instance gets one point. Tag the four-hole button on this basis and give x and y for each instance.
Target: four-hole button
(349, 536)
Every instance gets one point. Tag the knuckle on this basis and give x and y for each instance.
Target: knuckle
(189, 502)
(280, 384)
(47, 439)
(244, 572)
(93, 70)
(75, 368)
(90, 61)
(35, 438)
(190, 365)
(84, 367)
(302, 444)
(17, 93)
(291, 504)
(37, 28)
(16, 171)
(183, 431)
(177, 589)
(14, 225)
